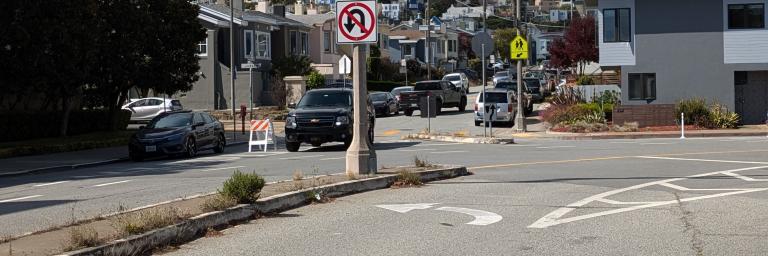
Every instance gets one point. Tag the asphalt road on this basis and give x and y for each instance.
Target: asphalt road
(618, 197)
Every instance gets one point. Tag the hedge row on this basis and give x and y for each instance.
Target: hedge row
(32, 125)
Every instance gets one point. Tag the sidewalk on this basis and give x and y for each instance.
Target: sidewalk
(752, 130)
(77, 159)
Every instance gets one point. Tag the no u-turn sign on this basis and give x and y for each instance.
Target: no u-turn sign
(356, 22)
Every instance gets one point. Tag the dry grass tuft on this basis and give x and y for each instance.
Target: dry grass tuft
(143, 221)
(217, 203)
(82, 237)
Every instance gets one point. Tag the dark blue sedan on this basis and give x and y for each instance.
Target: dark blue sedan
(178, 133)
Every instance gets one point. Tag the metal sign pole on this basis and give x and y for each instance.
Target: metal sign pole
(250, 78)
(429, 116)
(485, 130)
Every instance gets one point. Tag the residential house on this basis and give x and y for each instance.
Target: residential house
(546, 5)
(667, 51)
(406, 42)
(324, 53)
(259, 38)
(455, 12)
(390, 12)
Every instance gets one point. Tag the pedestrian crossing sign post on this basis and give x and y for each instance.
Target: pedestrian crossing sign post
(519, 48)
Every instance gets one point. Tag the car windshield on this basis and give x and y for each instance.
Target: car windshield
(326, 99)
(507, 85)
(452, 78)
(428, 86)
(494, 97)
(378, 97)
(171, 121)
(532, 83)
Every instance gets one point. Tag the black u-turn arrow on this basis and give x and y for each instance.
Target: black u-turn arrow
(350, 24)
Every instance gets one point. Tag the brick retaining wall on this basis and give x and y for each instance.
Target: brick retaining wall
(645, 115)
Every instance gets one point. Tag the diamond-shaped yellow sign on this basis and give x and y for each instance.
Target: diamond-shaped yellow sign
(519, 48)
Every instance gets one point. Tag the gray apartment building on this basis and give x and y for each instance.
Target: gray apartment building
(668, 50)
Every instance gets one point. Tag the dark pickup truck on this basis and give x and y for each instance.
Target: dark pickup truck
(323, 115)
(446, 94)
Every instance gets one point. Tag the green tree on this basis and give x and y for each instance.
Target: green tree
(315, 80)
(495, 23)
(291, 66)
(373, 63)
(502, 38)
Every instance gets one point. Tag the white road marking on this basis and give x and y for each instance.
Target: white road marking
(403, 208)
(333, 158)
(681, 188)
(208, 159)
(482, 218)
(222, 168)
(258, 154)
(112, 183)
(518, 145)
(554, 217)
(449, 152)
(300, 157)
(556, 147)
(701, 160)
(19, 198)
(417, 150)
(756, 141)
(742, 177)
(52, 183)
(624, 142)
(658, 143)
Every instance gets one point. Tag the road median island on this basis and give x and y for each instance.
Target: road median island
(142, 230)
(458, 137)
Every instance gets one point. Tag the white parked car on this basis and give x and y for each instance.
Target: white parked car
(143, 110)
(459, 80)
(504, 101)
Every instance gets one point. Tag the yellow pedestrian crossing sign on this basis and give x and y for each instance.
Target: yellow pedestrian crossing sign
(519, 48)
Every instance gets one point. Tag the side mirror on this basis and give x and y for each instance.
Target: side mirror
(292, 105)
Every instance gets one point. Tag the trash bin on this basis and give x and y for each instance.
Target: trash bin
(428, 112)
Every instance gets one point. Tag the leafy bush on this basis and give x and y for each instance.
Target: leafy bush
(569, 96)
(720, 117)
(607, 97)
(584, 126)
(34, 125)
(564, 114)
(315, 80)
(244, 188)
(695, 110)
(585, 80)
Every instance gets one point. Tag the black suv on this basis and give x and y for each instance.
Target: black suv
(323, 115)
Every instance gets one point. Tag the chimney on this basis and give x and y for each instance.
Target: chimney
(264, 6)
(298, 8)
(279, 10)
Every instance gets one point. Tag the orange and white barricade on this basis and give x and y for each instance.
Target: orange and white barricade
(262, 134)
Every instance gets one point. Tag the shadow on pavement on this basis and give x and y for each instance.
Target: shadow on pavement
(377, 146)
(12, 207)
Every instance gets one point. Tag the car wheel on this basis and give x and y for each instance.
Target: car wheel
(439, 108)
(463, 104)
(292, 146)
(221, 142)
(190, 148)
(408, 112)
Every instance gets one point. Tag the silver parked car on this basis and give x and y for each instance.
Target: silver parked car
(143, 110)
(459, 80)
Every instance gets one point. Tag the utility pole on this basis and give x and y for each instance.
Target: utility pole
(427, 42)
(361, 156)
(232, 67)
(520, 117)
(485, 7)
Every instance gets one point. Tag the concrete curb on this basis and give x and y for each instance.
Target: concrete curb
(197, 226)
(59, 168)
(469, 140)
(566, 136)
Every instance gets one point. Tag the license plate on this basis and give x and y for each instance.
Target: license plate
(414, 105)
(150, 148)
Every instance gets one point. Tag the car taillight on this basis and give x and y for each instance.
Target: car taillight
(509, 108)
(475, 107)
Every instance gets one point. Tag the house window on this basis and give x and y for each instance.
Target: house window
(407, 51)
(262, 45)
(617, 26)
(202, 48)
(746, 16)
(327, 41)
(304, 43)
(248, 44)
(294, 42)
(642, 86)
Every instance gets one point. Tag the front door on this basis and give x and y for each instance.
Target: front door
(752, 96)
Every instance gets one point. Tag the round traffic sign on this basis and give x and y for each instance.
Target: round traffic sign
(356, 15)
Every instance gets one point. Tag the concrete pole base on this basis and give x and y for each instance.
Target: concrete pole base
(361, 162)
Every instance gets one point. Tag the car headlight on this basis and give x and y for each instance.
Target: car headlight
(290, 122)
(341, 120)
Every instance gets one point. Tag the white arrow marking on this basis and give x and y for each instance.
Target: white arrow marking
(403, 208)
(482, 218)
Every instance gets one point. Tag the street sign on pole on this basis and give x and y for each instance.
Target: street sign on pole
(482, 38)
(519, 48)
(356, 22)
(345, 65)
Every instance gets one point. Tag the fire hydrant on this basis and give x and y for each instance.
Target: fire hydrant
(243, 112)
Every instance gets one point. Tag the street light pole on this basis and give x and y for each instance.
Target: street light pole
(232, 67)
(361, 156)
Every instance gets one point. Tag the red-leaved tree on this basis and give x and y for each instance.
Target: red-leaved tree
(578, 47)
